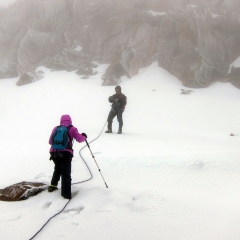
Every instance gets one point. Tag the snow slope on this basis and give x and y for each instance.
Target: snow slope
(172, 175)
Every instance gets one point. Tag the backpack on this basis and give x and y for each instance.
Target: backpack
(60, 138)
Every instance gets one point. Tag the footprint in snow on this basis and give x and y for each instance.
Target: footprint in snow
(74, 211)
(74, 194)
(13, 219)
(95, 153)
(147, 202)
(61, 236)
(47, 205)
(75, 223)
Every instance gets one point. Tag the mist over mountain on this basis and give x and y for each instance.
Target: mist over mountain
(195, 40)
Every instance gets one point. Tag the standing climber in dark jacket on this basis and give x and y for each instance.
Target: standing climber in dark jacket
(119, 101)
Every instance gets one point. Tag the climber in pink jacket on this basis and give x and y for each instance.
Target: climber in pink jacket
(62, 158)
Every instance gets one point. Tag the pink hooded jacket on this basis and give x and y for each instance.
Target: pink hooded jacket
(73, 132)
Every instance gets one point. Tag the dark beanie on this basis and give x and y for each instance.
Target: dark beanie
(119, 88)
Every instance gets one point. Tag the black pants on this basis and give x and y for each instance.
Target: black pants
(112, 114)
(63, 164)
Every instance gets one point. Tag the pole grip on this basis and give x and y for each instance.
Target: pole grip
(87, 143)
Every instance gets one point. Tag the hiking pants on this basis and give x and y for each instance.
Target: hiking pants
(63, 169)
(112, 114)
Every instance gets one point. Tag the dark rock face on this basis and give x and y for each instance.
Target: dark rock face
(21, 191)
(30, 77)
(86, 70)
(195, 40)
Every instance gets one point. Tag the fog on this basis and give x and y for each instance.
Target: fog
(196, 41)
(5, 3)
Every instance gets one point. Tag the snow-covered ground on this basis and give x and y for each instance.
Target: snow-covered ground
(174, 173)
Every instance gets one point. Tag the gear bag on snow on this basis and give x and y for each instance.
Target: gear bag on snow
(60, 138)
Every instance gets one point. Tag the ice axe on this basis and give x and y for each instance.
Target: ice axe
(96, 163)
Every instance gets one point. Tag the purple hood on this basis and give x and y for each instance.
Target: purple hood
(65, 120)
(73, 132)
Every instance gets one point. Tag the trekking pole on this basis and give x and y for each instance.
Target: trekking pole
(96, 163)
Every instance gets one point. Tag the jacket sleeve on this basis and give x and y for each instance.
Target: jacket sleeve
(124, 101)
(110, 99)
(76, 135)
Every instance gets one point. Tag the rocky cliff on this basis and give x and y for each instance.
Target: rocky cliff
(195, 40)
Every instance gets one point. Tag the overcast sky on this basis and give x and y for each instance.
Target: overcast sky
(6, 2)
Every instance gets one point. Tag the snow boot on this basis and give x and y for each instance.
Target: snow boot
(119, 131)
(52, 188)
(66, 197)
(109, 131)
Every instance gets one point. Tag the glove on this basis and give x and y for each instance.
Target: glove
(110, 99)
(84, 134)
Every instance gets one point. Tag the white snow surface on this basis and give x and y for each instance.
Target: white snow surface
(174, 173)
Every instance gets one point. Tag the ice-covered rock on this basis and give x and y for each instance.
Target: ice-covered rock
(21, 191)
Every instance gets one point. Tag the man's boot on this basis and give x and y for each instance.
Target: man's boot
(109, 131)
(120, 128)
(109, 127)
(52, 188)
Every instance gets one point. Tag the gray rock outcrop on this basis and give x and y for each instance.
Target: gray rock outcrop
(197, 41)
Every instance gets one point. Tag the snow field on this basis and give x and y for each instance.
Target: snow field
(172, 175)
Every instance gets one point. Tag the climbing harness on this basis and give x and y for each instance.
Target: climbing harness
(87, 144)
